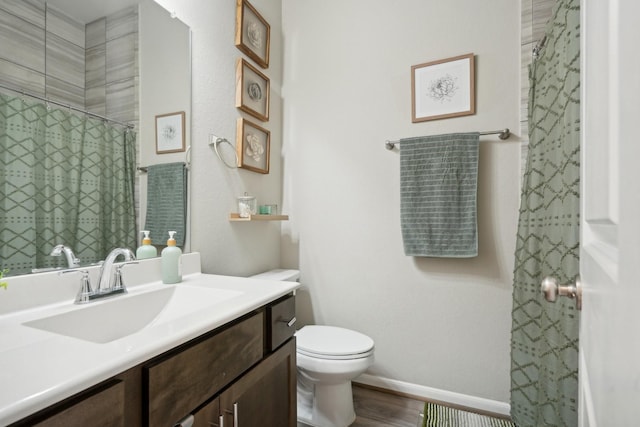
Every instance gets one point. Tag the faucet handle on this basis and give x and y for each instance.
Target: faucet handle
(118, 285)
(86, 291)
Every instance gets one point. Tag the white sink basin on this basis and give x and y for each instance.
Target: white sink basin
(115, 318)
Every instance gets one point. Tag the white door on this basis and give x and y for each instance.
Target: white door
(610, 220)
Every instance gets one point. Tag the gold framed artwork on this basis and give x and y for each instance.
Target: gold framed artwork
(252, 33)
(252, 145)
(443, 89)
(252, 90)
(170, 133)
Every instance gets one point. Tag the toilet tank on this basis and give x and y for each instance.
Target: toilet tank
(279, 274)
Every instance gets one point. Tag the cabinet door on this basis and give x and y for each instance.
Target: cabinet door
(188, 378)
(266, 395)
(281, 319)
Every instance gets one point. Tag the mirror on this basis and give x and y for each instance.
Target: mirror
(153, 77)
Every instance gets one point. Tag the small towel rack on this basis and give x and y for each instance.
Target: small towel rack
(214, 141)
(502, 134)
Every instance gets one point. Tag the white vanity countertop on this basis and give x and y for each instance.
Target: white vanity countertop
(39, 368)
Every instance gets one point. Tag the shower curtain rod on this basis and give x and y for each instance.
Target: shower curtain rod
(69, 106)
(502, 134)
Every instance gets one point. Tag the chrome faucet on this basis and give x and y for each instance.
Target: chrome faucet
(107, 285)
(72, 261)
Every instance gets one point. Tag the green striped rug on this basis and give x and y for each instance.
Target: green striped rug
(442, 416)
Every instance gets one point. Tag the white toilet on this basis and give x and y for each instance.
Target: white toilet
(328, 358)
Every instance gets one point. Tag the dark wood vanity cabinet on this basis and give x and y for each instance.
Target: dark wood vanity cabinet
(185, 378)
(243, 374)
(265, 396)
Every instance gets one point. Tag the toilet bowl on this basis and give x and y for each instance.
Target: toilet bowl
(328, 358)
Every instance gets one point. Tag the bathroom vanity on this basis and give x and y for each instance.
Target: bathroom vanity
(220, 351)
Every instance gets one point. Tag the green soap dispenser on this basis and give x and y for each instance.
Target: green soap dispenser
(147, 250)
(171, 261)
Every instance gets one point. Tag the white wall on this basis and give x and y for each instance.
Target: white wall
(229, 248)
(441, 323)
(437, 323)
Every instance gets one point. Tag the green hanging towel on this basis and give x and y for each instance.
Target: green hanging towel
(438, 195)
(167, 202)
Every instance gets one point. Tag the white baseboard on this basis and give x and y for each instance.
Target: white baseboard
(429, 393)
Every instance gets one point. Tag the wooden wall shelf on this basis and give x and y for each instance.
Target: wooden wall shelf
(236, 217)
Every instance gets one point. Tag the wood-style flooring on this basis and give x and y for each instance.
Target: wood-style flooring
(377, 408)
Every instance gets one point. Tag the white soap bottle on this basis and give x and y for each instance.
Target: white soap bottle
(171, 261)
(147, 250)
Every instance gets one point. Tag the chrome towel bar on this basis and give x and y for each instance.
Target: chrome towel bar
(502, 134)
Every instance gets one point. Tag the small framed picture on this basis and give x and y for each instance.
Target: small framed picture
(170, 133)
(252, 146)
(443, 89)
(252, 90)
(252, 33)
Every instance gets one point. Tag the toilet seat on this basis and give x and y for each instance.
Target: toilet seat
(332, 342)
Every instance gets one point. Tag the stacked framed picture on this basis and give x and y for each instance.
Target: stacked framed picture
(253, 38)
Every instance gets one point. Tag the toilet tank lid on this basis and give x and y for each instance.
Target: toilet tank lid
(279, 274)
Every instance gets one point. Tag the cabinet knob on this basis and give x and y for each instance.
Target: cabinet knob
(291, 322)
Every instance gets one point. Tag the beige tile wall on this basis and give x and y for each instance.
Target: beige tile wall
(112, 66)
(22, 45)
(95, 66)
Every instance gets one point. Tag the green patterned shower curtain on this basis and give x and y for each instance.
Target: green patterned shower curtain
(64, 179)
(544, 336)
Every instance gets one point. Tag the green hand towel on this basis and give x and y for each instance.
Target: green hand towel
(166, 202)
(438, 195)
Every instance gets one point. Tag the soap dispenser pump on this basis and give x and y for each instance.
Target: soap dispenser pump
(171, 261)
(147, 250)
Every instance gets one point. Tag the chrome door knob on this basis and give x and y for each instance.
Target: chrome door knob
(551, 290)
